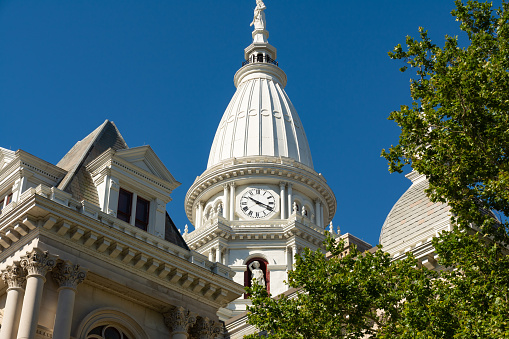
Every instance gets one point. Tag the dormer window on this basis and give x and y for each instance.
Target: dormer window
(126, 207)
(5, 201)
(142, 210)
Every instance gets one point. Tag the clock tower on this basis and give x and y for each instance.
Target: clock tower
(260, 201)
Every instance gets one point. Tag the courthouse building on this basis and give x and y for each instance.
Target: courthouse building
(87, 249)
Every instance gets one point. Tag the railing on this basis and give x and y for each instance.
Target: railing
(260, 58)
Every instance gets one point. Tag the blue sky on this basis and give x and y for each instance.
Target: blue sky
(163, 72)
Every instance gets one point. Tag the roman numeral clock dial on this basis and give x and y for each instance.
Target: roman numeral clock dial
(257, 203)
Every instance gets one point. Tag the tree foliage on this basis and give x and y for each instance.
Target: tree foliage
(456, 132)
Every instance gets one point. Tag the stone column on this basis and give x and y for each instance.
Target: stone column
(205, 329)
(211, 254)
(322, 220)
(290, 199)
(199, 214)
(218, 254)
(68, 276)
(179, 320)
(282, 186)
(232, 200)
(226, 200)
(37, 263)
(226, 256)
(14, 277)
(318, 215)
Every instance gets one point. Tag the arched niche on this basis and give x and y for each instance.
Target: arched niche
(264, 265)
(113, 318)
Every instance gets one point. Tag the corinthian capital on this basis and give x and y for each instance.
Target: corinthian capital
(38, 262)
(179, 319)
(14, 276)
(68, 275)
(205, 329)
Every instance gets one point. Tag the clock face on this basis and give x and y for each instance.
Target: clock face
(257, 203)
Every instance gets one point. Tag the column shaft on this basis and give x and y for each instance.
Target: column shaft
(31, 307)
(317, 212)
(232, 200)
(218, 254)
(283, 200)
(290, 199)
(226, 200)
(63, 318)
(12, 312)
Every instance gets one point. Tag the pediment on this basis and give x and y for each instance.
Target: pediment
(145, 158)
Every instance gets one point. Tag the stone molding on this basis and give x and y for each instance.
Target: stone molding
(179, 319)
(38, 262)
(14, 276)
(68, 275)
(120, 245)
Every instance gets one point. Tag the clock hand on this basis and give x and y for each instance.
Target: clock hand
(261, 203)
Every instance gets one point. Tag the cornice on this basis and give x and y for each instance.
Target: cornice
(267, 167)
(24, 162)
(260, 70)
(110, 162)
(272, 230)
(121, 245)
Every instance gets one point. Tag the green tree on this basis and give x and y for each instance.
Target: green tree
(456, 132)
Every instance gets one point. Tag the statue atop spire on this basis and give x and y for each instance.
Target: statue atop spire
(260, 34)
(259, 16)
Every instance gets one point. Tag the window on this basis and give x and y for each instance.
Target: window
(125, 209)
(142, 209)
(125, 202)
(5, 201)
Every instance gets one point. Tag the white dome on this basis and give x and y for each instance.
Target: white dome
(260, 120)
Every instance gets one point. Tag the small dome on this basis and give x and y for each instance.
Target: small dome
(260, 120)
(414, 219)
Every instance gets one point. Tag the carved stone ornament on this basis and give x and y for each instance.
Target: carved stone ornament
(205, 329)
(14, 276)
(68, 275)
(38, 262)
(179, 319)
(114, 184)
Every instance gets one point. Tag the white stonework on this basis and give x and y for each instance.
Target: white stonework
(71, 268)
(260, 198)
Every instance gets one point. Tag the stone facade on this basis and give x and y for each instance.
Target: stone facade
(71, 268)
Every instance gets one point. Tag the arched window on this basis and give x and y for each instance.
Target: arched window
(109, 323)
(259, 57)
(263, 267)
(107, 332)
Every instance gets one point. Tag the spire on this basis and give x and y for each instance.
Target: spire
(260, 50)
(260, 34)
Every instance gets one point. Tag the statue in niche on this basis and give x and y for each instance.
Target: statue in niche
(256, 273)
(259, 15)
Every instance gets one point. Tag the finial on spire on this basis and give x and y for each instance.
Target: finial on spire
(260, 34)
